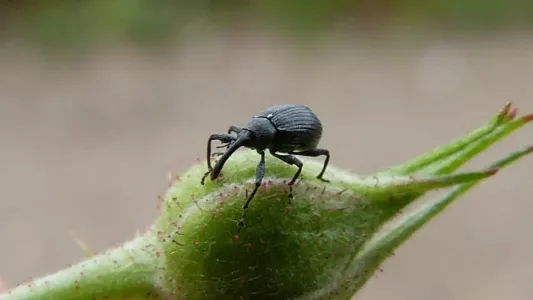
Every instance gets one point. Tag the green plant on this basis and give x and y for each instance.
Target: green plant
(325, 246)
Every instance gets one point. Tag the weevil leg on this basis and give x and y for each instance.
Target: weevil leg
(231, 129)
(291, 160)
(259, 175)
(224, 138)
(315, 153)
(235, 129)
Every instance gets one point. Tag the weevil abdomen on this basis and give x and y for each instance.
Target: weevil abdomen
(298, 128)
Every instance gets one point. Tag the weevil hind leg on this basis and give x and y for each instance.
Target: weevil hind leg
(314, 153)
(259, 175)
(291, 160)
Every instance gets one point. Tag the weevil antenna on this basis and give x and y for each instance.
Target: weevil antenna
(244, 136)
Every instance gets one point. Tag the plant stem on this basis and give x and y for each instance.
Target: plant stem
(121, 272)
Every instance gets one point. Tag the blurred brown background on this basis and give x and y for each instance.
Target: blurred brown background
(98, 103)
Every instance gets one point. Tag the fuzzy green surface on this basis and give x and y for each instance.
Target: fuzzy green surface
(284, 251)
(125, 272)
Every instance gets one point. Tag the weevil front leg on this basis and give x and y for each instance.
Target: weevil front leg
(224, 138)
(235, 129)
(232, 129)
(259, 175)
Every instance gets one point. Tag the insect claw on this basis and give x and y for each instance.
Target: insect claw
(323, 179)
(204, 177)
(291, 196)
(240, 225)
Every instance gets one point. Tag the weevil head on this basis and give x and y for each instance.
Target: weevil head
(258, 134)
(262, 133)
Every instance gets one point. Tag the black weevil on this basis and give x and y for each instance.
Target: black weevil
(287, 128)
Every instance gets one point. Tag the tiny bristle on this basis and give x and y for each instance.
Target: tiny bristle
(528, 118)
(492, 171)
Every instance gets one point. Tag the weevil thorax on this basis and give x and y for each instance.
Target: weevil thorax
(262, 133)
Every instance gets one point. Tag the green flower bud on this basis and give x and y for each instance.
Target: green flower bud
(325, 244)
